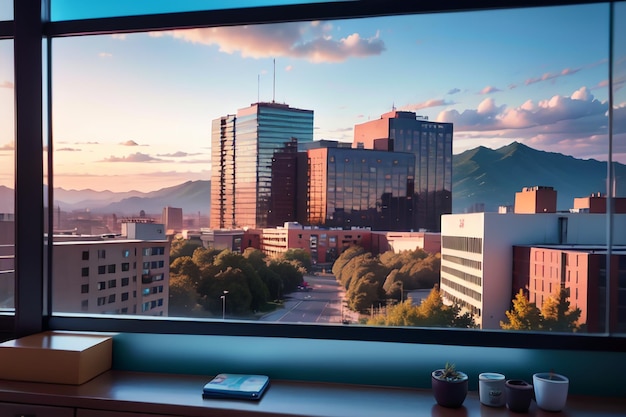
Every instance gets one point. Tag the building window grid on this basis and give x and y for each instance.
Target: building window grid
(461, 289)
(462, 275)
(462, 243)
(463, 261)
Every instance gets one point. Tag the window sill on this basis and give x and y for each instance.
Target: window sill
(163, 394)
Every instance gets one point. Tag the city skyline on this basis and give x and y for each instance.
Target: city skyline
(134, 111)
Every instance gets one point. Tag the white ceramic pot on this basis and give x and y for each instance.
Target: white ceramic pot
(550, 390)
(491, 389)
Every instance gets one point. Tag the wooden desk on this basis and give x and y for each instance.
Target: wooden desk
(128, 394)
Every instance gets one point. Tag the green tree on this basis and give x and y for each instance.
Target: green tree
(394, 284)
(255, 257)
(214, 280)
(363, 293)
(365, 287)
(257, 288)
(268, 276)
(432, 312)
(344, 258)
(299, 255)
(185, 266)
(424, 272)
(557, 314)
(182, 247)
(523, 316)
(238, 296)
(182, 296)
(290, 274)
(401, 314)
(203, 257)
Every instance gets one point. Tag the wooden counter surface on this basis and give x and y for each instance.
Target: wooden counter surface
(180, 395)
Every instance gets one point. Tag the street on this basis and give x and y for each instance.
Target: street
(320, 304)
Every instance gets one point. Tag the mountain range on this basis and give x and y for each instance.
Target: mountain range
(481, 177)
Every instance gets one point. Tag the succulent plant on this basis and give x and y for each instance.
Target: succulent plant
(449, 373)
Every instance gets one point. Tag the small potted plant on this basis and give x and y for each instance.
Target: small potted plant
(449, 386)
(519, 395)
(550, 390)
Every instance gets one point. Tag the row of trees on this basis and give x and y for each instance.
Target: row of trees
(199, 277)
(432, 312)
(555, 315)
(371, 280)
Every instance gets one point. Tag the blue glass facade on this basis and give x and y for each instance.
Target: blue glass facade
(258, 133)
(361, 188)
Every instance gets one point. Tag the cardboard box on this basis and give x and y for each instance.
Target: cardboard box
(56, 357)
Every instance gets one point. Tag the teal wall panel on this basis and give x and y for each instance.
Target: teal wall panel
(360, 362)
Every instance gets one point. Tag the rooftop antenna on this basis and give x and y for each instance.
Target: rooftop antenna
(274, 84)
(393, 106)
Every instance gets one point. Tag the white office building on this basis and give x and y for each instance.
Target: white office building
(477, 253)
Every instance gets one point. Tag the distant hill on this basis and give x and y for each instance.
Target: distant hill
(191, 196)
(480, 176)
(492, 177)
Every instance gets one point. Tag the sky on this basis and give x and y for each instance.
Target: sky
(134, 111)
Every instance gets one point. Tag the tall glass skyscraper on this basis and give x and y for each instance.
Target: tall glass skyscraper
(431, 143)
(244, 148)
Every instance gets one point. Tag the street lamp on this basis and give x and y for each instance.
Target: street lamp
(223, 297)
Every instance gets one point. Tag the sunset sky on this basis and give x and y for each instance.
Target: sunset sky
(134, 111)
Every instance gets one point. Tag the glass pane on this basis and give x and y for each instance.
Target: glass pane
(6, 9)
(618, 260)
(7, 176)
(158, 150)
(77, 9)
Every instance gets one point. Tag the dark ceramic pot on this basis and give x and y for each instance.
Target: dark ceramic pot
(448, 393)
(519, 393)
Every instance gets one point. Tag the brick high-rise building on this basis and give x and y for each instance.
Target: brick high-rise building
(431, 143)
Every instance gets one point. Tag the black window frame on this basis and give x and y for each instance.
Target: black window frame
(31, 25)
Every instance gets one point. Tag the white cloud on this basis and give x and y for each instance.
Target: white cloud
(7, 84)
(551, 76)
(488, 116)
(489, 90)
(576, 125)
(178, 154)
(135, 157)
(427, 104)
(311, 41)
(105, 55)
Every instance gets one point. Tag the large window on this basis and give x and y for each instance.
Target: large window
(134, 116)
(6, 10)
(7, 178)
